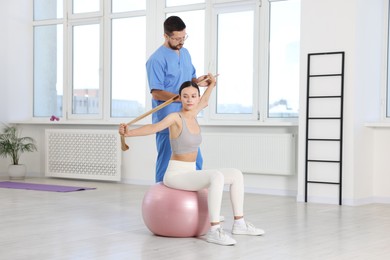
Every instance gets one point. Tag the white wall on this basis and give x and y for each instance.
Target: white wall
(15, 63)
(370, 58)
(356, 27)
(380, 155)
(16, 60)
(3, 66)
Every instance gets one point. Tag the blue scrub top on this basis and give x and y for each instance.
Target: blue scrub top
(167, 70)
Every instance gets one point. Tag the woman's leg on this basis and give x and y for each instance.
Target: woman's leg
(193, 180)
(235, 179)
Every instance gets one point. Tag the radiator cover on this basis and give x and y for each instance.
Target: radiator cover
(83, 154)
(257, 153)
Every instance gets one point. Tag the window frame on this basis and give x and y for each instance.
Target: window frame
(228, 8)
(76, 16)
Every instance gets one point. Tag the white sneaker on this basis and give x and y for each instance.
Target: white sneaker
(221, 218)
(220, 237)
(248, 229)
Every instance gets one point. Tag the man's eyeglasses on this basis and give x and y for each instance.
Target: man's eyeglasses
(179, 39)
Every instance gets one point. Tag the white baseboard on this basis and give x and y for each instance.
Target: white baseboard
(274, 192)
(346, 201)
(28, 175)
(137, 182)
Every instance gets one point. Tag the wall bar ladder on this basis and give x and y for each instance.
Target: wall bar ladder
(324, 122)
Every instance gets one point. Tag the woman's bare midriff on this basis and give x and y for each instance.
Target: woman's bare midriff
(187, 157)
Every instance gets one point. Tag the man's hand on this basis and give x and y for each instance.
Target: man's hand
(203, 82)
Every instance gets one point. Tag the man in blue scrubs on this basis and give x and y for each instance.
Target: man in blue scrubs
(167, 68)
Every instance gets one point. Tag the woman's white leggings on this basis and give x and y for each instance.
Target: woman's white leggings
(184, 176)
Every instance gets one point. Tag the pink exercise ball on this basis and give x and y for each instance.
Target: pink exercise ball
(175, 213)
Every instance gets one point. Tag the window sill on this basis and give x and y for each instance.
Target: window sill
(271, 123)
(65, 122)
(378, 124)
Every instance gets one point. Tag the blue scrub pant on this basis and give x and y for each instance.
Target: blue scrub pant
(164, 155)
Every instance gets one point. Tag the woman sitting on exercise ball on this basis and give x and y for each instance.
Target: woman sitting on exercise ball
(185, 137)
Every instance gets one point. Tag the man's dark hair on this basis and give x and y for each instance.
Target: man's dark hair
(172, 24)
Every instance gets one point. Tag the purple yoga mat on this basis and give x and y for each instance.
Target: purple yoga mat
(40, 187)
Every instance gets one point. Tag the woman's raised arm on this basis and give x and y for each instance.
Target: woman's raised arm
(204, 100)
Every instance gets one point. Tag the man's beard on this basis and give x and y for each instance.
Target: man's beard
(175, 47)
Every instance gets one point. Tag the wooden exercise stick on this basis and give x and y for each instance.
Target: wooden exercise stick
(124, 146)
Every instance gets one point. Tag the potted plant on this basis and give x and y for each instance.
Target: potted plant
(13, 145)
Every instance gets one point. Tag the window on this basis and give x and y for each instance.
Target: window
(44, 9)
(48, 70)
(284, 59)
(128, 75)
(127, 5)
(85, 6)
(235, 62)
(86, 87)
(90, 88)
(90, 55)
(170, 3)
(195, 25)
(259, 73)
